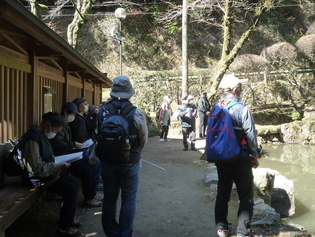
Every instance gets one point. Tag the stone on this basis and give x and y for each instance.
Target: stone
(264, 183)
(283, 196)
(264, 214)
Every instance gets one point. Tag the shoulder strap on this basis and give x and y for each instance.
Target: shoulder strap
(111, 108)
(232, 103)
(127, 109)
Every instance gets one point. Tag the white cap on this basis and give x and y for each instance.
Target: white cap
(190, 97)
(230, 81)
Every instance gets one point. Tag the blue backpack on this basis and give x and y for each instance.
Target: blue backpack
(222, 145)
(113, 134)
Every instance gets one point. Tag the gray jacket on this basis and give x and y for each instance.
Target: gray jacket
(243, 119)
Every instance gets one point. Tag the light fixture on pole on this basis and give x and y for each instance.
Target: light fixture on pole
(120, 13)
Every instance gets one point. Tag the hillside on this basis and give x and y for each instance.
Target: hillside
(150, 45)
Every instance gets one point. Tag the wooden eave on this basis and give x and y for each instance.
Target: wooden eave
(50, 47)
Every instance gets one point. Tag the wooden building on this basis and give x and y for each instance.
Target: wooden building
(39, 71)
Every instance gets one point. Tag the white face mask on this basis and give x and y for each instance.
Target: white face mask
(70, 118)
(86, 108)
(50, 135)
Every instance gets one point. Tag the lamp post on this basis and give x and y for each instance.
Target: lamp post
(120, 13)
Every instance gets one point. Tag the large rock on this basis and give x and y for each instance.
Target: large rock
(263, 183)
(283, 196)
(302, 132)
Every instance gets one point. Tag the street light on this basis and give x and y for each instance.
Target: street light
(120, 13)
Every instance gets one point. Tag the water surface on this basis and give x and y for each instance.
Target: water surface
(297, 163)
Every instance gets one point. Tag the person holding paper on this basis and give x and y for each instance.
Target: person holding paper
(80, 134)
(62, 144)
(38, 158)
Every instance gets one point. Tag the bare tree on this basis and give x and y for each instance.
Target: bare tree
(208, 11)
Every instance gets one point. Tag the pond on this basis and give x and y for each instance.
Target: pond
(297, 163)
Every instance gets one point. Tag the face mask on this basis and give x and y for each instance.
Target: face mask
(70, 118)
(86, 108)
(50, 135)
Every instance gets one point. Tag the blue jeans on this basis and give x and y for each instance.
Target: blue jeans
(124, 178)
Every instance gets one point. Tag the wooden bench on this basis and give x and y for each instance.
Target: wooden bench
(15, 198)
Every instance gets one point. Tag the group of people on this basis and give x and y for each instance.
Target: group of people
(68, 132)
(187, 113)
(238, 171)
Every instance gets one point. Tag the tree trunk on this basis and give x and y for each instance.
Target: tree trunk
(228, 56)
(79, 18)
(36, 8)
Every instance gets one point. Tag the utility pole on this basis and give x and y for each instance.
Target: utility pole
(184, 51)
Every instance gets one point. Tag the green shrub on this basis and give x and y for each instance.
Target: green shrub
(296, 116)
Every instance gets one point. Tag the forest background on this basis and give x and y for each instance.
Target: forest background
(278, 57)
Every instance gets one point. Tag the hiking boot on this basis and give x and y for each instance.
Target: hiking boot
(68, 233)
(225, 233)
(194, 149)
(185, 149)
(92, 203)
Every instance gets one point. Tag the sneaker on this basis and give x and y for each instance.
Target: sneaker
(68, 232)
(99, 187)
(93, 203)
(225, 233)
(194, 149)
(161, 140)
(185, 149)
(99, 197)
(167, 140)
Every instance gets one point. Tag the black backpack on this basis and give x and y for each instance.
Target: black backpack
(113, 134)
(13, 164)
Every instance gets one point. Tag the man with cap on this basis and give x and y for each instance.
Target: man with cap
(78, 126)
(204, 111)
(63, 144)
(187, 116)
(79, 129)
(238, 171)
(122, 177)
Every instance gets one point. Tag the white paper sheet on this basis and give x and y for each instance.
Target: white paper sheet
(68, 158)
(87, 143)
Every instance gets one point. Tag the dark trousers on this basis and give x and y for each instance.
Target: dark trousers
(82, 170)
(164, 131)
(203, 118)
(239, 171)
(190, 134)
(67, 187)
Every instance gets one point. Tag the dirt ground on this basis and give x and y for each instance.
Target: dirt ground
(172, 199)
(171, 202)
